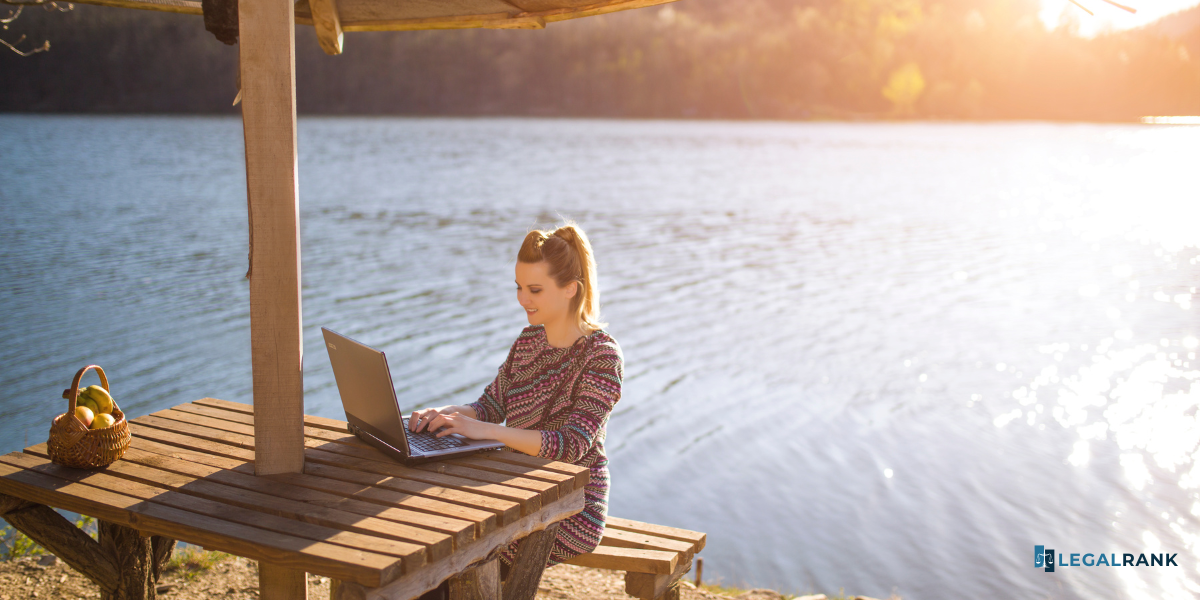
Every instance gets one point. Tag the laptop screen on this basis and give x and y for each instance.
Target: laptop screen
(365, 384)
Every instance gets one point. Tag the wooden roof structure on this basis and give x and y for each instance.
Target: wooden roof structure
(332, 17)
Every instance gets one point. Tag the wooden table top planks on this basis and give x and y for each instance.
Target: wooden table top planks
(354, 514)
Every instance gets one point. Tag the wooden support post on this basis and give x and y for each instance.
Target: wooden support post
(530, 561)
(267, 62)
(268, 74)
(136, 562)
(480, 582)
(346, 590)
(281, 583)
(328, 25)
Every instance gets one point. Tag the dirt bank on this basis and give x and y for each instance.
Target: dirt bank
(236, 578)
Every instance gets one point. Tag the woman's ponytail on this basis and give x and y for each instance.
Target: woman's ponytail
(569, 255)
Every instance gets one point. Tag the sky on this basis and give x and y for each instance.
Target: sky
(1109, 17)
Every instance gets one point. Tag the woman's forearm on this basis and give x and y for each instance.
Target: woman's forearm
(528, 441)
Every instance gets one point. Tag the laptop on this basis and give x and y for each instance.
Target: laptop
(373, 412)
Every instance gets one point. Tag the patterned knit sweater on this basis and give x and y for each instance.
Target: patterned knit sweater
(567, 394)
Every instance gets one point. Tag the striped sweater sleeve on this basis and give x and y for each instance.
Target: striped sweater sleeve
(490, 405)
(599, 389)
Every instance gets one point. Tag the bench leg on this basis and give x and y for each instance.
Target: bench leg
(526, 573)
(647, 586)
(672, 592)
(281, 583)
(652, 587)
(346, 590)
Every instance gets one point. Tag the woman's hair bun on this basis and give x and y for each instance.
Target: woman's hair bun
(567, 233)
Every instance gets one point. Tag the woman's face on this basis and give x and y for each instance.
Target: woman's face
(544, 302)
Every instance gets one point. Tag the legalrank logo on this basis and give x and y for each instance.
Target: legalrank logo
(1044, 557)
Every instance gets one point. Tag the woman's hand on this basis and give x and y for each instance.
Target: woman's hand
(448, 423)
(463, 421)
(419, 420)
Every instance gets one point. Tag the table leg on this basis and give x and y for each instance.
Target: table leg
(480, 582)
(281, 583)
(532, 552)
(139, 561)
(161, 549)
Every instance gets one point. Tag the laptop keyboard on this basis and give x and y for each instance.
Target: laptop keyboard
(427, 442)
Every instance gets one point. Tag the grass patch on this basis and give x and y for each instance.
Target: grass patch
(733, 592)
(14, 544)
(724, 590)
(193, 560)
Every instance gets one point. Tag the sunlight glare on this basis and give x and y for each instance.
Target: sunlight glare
(1108, 17)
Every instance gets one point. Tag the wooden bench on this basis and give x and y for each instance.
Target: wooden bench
(654, 557)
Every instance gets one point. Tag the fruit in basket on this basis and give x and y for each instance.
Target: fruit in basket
(85, 414)
(102, 421)
(88, 402)
(99, 395)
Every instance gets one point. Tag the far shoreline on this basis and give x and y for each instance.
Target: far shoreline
(874, 120)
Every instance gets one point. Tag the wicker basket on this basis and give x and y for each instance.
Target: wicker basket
(72, 444)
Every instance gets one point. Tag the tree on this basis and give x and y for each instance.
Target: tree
(13, 14)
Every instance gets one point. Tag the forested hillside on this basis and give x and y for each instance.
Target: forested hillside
(973, 59)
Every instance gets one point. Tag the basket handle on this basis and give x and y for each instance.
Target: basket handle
(72, 394)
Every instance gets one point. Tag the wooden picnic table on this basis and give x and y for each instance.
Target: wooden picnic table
(376, 527)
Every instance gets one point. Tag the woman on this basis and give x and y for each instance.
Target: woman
(559, 383)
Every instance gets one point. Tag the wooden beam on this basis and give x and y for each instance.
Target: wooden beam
(657, 562)
(328, 25)
(488, 21)
(536, 14)
(12, 503)
(63, 539)
(187, 7)
(597, 9)
(267, 52)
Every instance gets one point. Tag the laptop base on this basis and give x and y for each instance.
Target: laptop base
(403, 457)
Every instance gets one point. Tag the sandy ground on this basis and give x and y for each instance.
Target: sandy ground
(237, 579)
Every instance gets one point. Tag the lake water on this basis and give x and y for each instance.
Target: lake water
(889, 358)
